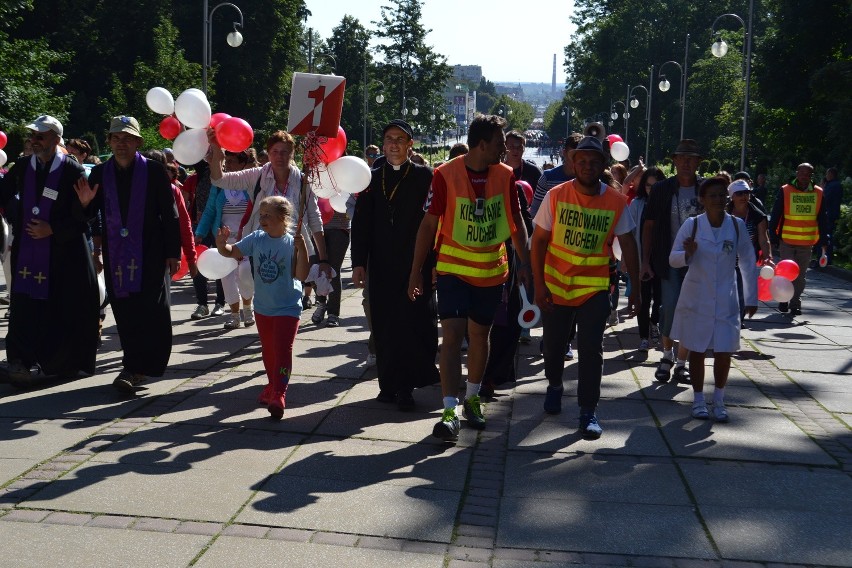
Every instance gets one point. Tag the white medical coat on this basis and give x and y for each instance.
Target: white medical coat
(708, 309)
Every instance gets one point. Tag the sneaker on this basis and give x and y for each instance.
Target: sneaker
(569, 354)
(655, 334)
(553, 400)
(699, 411)
(248, 317)
(200, 312)
(795, 309)
(525, 337)
(276, 406)
(783, 307)
(127, 382)
(448, 427)
(307, 303)
(319, 313)
(644, 346)
(589, 427)
(5, 300)
(332, 321)
(371, 360)
(613, 318)
(386, 396)
(720, 413)
(681, 376)
(473, 413)
(218, 310)
(233, 321)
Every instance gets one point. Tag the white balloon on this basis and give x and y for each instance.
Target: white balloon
(767, 272)
(3, 158)
(160, 101)
(324, 186)
(619, 151)
(350, 173)
(616, 249)
(215, 266)
(193, 109)
(101, 288)
(191, 146)
(338, 202)
(781, 289)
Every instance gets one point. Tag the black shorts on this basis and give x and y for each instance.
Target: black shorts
(458, 299)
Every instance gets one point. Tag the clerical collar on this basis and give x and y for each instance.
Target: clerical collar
(397, 168)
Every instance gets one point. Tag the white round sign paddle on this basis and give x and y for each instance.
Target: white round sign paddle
(530, 314)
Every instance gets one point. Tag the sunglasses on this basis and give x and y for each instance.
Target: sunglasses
(372, 155)
(38, 137)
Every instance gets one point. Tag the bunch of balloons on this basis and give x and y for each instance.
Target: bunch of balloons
(192, 111)
(340, 176)
(3, 157)
(777, 283)
(617, 148)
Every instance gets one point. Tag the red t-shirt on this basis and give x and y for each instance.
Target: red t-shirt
(436, 202)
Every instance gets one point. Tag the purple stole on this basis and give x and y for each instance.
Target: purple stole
(32, 271)
(124, 239)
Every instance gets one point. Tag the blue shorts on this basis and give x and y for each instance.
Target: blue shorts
(458, 299)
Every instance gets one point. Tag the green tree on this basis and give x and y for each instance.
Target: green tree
(411, 68)
(519, 115)
(349, 45)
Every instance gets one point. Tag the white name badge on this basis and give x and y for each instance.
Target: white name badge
(51, 194)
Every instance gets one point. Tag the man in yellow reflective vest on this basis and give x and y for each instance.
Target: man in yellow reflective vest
(571, 247)
(799, 221)
(473, 207)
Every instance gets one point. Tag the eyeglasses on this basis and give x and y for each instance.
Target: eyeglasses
(372, 156)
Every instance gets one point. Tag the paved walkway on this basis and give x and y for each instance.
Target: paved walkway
(193, 473)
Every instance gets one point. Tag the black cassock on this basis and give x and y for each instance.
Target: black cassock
(60, 333)
(384, 231)
(143, 318)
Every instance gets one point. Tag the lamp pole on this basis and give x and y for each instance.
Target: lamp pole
(634, 103)
(614, 115)
(380, 98)
(235, 38)
(566, 112)
(720, 48)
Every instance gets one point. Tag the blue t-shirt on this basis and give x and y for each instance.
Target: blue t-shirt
(276, 293)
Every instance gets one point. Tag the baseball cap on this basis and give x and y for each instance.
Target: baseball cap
(401, 124)
(124, 124)
(44, 123)
(737, 186)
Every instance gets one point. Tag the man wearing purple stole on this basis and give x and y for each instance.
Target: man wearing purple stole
(140, 240)
(53, 327)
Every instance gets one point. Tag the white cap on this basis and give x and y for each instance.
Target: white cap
(44, 123)
(739, 185)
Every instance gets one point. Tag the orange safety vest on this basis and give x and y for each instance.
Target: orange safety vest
(801, 208)
(471, 246)
(576, 264)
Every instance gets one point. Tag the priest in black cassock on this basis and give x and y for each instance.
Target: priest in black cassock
(140, 243)
(53, 325)
(384, 230)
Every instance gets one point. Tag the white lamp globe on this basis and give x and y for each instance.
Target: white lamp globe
(235, 39)
(665, 85)
(719, 48)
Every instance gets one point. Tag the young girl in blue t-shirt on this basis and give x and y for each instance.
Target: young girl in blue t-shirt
(278, 291)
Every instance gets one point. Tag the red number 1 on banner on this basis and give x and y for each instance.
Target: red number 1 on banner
(318, 95)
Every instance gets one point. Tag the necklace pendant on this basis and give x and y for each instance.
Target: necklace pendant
(36, 210)
(124, 232)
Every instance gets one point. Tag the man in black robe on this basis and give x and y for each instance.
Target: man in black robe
(53, 327)
(140, 243)
(384, 230)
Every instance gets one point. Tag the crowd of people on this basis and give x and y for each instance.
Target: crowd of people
(452, 245)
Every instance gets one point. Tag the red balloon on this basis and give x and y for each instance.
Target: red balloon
(326, 210)
(234, 134)
(170, 127)
(3, 139)
(333, 148)
(199, 249)
(787, 269)
(613, 138)
(183, 269)
(763, 293)
(217, 118)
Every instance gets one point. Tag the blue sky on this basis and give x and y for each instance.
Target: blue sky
(542, 27)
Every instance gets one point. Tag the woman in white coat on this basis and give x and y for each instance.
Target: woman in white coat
(708, 311)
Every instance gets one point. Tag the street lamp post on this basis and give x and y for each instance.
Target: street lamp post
(720, 48)
(333, 61)
(614, 115)
(665, 85)
(380, 98)
(235, 38)
(415, 111)
(566, 112)
(634, 103)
